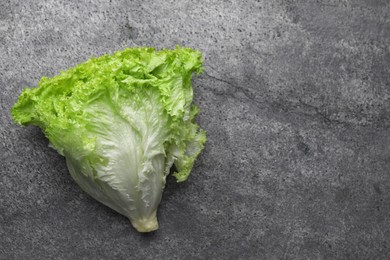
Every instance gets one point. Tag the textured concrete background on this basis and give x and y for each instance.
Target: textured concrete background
(295, 100)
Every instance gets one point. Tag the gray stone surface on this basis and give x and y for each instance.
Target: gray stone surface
(295, 101)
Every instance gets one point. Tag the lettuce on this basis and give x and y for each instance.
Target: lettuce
(121, 121)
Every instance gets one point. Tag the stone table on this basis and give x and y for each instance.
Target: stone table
(295, 102)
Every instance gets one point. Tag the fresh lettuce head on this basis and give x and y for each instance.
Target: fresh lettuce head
(121, 121)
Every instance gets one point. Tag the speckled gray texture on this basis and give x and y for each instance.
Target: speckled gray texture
(295, 101)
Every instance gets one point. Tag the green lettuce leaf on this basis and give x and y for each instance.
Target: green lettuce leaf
(121, 121)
